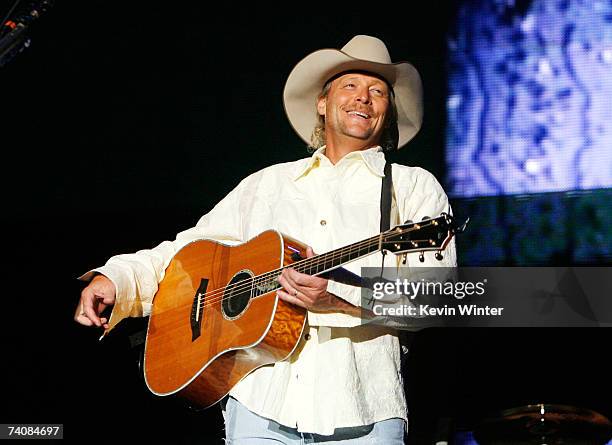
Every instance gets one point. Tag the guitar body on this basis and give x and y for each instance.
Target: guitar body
(212, 324)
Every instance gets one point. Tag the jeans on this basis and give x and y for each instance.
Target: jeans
(242, 427)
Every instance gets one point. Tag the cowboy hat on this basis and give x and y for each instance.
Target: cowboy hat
(361, 53)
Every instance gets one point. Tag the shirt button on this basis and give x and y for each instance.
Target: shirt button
(323, 222)
(307, 337)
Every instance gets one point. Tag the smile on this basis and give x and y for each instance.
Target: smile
(360, 114)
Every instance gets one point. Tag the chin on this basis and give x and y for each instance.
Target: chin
(362, 135)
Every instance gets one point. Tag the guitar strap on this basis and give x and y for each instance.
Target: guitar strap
(386, 196)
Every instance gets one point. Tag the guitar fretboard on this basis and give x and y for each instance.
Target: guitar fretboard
(318, 264)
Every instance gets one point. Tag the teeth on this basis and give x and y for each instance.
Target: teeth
(358, 113)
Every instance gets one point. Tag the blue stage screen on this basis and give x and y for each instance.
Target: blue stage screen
(529, 131)
(530, 97)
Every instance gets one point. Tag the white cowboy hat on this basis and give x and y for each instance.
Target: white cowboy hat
(362, 53)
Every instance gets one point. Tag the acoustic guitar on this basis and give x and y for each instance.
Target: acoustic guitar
(216, 316)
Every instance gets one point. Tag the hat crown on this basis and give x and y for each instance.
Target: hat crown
(367, 48)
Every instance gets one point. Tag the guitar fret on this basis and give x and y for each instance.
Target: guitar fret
(340, 256)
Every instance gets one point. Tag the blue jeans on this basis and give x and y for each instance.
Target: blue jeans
(243, 427)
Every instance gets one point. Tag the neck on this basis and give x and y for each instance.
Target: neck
(337, 149)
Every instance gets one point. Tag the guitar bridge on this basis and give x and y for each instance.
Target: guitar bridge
(197, 309)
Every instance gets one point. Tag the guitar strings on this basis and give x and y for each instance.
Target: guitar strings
(212, 297)
(247, 284)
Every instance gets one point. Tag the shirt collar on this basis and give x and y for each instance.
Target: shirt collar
(374, 159)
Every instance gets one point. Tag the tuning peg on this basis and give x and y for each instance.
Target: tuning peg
(404, 258)
(439, 256)
(421, 257)
(461, 228)
(408, 221)
(425, 217)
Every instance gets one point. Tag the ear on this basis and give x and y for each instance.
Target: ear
(321, 106)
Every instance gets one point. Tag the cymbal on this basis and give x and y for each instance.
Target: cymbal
(545, 424)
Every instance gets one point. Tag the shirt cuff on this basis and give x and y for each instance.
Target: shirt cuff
(126, 302)
(350, 294)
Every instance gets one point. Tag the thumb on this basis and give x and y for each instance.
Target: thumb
(309, 252)
(106, 299)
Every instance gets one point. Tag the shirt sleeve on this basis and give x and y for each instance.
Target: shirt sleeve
(136, 275)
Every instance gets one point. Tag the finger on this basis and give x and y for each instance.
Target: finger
(106, 299)
(297, 292)
(100, 306)
(82, 319)
(282, 280)
(309, 252)
(290, 298)
(294, 287)
(103, 293)
(88, 299)
(91, 315)
(103, 289)
(304, 282)
(296, 278)
(286, 282)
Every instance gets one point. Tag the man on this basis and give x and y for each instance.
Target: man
(341, 384)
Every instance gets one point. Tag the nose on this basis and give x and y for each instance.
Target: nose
(363, 95)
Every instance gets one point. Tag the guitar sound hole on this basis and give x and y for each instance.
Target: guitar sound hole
(237, 294)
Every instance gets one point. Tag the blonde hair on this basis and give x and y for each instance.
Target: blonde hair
(388, 138)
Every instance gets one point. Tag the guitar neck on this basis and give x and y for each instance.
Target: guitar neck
(429, 234)
(325, 262)
(318, 264)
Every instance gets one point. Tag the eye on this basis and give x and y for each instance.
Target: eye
(349, 85)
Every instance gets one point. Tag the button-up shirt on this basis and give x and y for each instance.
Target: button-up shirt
(343, 373)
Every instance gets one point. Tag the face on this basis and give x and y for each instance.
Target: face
(355, 109)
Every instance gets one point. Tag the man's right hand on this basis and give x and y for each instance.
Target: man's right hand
(97, 296)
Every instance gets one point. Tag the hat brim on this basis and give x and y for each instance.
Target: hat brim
(307, 79)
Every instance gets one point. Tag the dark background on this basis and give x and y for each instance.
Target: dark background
(123, 123)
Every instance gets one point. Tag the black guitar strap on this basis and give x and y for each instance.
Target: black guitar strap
(386, 195)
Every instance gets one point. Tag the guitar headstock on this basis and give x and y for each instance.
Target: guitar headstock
(428, 234)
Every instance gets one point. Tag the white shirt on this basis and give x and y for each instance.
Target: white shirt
(346, 374)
